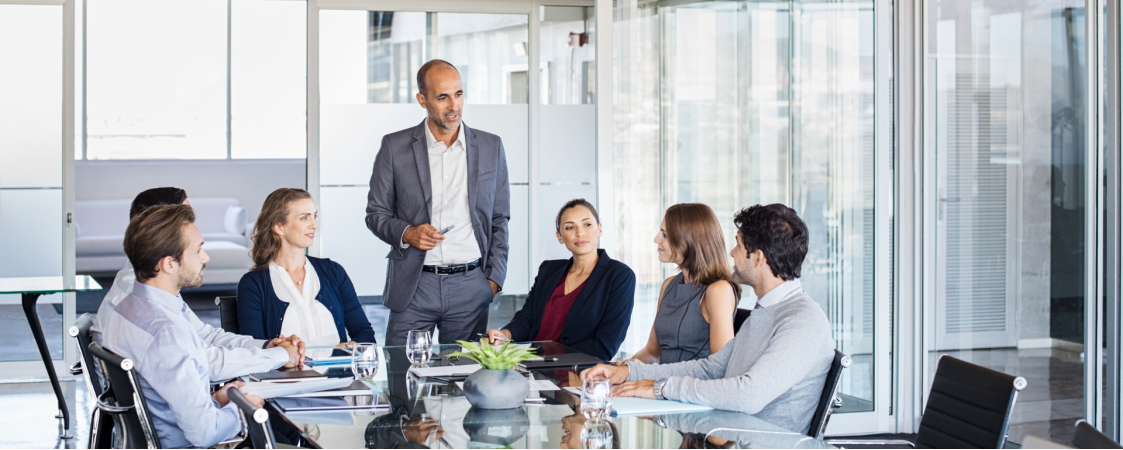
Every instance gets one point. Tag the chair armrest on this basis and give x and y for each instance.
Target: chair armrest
(887, 442)
(105, 406)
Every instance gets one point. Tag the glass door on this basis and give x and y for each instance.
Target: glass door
(763, 102)
(1006, 121)
(33, 155)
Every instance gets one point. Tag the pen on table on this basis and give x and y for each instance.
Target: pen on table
(498, 338)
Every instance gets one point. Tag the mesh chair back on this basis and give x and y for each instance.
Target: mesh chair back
(968, 407)
(739, 318)
(228, 313)
(256, 420)
(829, 398)
(1087, 436)
(125, 401)
(101, 428)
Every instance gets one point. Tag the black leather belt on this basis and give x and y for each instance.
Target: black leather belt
(449, 270)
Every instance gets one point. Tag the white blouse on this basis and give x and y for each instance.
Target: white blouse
(305, 317)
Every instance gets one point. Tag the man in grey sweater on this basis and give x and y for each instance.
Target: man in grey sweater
(776, 365)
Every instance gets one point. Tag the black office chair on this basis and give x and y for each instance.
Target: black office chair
(256, 420)
(969, 406)
(101, 428)
(739, 318)
(829, 400)
(1087, 436)
(228, 313)
(124, 400)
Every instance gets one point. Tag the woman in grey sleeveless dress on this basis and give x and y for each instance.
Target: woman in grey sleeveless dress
(696, 307)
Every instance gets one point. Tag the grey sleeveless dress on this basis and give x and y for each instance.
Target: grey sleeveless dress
(682, 332)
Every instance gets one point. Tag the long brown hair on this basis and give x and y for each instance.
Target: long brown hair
(695, 233)
(275, 211)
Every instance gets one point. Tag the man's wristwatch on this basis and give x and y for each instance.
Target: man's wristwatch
(659, 388)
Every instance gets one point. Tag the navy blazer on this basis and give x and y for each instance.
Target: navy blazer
(599, 318)
(260, 311)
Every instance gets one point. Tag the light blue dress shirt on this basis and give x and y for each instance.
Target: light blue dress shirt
(229, 355)
(151, 327)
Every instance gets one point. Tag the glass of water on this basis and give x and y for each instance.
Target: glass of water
(596, 433)
(419, 345)
(596, 398)
(364, 361)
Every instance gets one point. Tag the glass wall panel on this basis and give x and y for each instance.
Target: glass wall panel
(567, 150)
(31, 220)
(156, 79)
(1006, 117)
(568, 54)
(268, 77)
(738, 103)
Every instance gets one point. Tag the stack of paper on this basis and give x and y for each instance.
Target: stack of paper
(273, 390)
(445, 371)
(322, 356)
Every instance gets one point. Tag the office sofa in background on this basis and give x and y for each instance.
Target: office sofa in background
(100, 234)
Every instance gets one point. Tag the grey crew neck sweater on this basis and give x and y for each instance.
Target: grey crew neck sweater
(774, 368)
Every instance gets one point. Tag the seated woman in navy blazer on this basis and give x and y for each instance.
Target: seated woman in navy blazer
(584, 302)
(288, 293)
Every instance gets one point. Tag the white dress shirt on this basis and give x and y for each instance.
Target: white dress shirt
(305, 317)
(229, 355)
(448, 173)
(780, 293)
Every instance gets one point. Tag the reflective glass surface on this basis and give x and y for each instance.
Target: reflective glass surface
(1006, 118)
(735, 103)
(435, 414)
(46, 285)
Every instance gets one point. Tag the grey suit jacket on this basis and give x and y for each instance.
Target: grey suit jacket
(401, 195)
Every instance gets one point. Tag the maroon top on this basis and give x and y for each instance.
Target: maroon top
(557, 309)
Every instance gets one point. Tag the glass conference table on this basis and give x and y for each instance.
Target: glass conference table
(427, 413)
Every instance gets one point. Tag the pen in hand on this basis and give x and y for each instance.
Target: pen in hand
(446, 230)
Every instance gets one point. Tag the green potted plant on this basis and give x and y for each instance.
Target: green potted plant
(496, 385)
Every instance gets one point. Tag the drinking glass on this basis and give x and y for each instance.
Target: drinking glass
(364, 361)
(596, 398)
(419, 345)
(596, 433)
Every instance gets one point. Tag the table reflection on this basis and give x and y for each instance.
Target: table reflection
(424, 413)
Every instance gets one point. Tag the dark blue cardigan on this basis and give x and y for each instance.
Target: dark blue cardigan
(260, 311)
(599, 318)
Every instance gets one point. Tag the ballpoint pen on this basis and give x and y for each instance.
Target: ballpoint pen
(446, 230)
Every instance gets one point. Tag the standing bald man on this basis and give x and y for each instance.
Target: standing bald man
(439, 196)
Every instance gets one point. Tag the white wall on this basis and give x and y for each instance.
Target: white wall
(248, 180)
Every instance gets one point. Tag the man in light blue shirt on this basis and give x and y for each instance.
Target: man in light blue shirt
(151, 326)
(229, 355)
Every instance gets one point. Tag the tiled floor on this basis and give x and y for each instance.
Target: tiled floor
(1048, 407)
